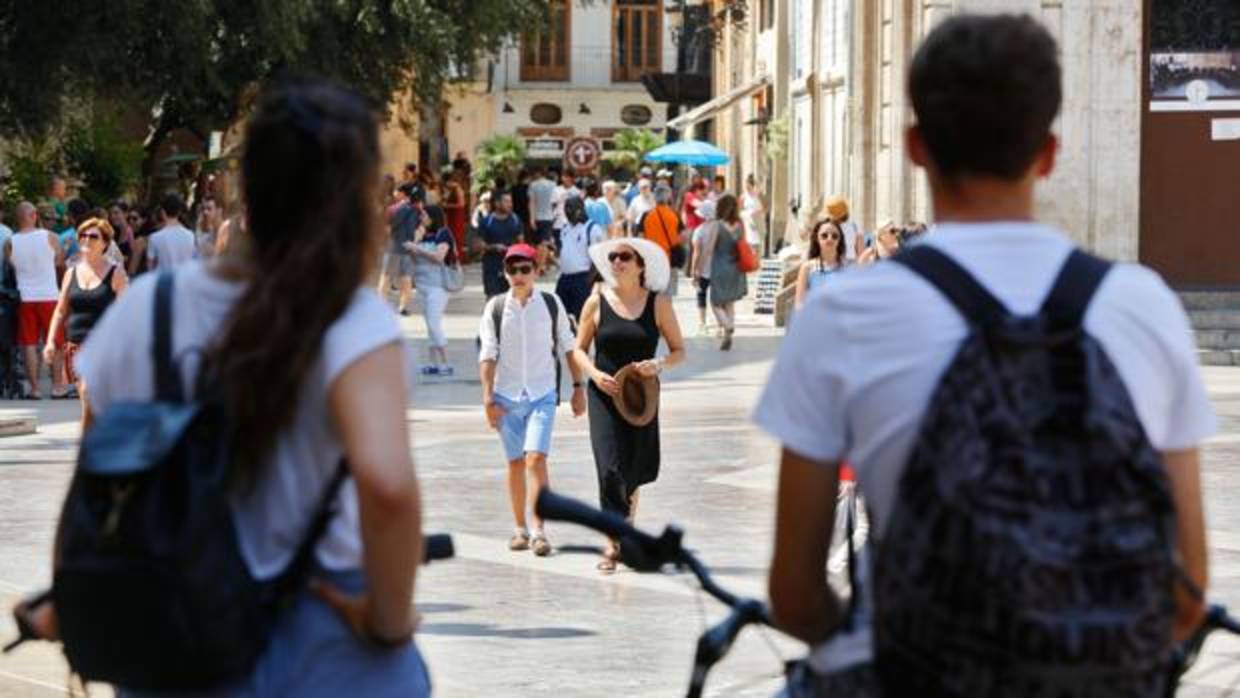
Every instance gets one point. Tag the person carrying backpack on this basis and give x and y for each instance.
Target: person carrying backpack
(524, 335)
(260, 534)
(1023, 418)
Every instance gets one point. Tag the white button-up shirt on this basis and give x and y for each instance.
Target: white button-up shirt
(575, 241)
(525, 367)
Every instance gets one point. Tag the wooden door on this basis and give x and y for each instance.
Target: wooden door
(1190, 142)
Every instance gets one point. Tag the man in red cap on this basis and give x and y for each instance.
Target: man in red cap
(524, 336)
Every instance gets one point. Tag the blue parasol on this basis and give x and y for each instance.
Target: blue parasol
(689, 153)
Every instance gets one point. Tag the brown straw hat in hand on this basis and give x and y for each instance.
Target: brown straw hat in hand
(638, 401)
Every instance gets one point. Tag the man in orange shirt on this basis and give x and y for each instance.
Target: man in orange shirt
(662, 227)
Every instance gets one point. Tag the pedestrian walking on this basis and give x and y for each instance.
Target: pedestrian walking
(576, 270)
(825, 258)
(642, 204)
(597, 208)
(623, 323)
(207, 228)
(456, 207)
(1015, 411)
(89, 288)
(619, 208)
(700, 268)
(35, 254)
(310, 375)
(837, 210)
(434, 254)
(172, 244)
(885, 245)
(753, 215)
(76, 211)
(728, 284)
(662, 227)
(118, 218)
(525, 334)
(405, 219)
(542, 207)
(498, 231)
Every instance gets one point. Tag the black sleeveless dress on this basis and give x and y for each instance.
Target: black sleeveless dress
(625, 456)
(87, 306)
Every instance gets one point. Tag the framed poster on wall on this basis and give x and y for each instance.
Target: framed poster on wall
(1194, 55)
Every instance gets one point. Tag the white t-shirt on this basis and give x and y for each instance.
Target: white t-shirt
(855, 374)
(34, 263)
(171, 245)
(575, 241)
(525, 367)
(272, 516)
(541, 191)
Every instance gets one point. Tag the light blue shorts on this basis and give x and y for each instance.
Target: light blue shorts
(313, 654)
(526, 425)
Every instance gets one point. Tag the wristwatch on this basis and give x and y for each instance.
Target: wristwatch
(578, 384)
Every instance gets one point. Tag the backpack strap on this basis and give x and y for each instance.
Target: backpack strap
(971, 299)
(554, 308)
(167, 378)
(299, 567)
(497, 317)
(1074, 288)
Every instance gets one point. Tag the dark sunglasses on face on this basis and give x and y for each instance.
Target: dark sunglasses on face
(519, 269)
(829, 236)
(90, 236)
(622, 256)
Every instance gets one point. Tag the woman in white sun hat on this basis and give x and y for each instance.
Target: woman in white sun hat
(624, 320)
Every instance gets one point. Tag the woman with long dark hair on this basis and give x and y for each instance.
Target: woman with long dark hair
(827, 249)
(309, 368)
(728, 283)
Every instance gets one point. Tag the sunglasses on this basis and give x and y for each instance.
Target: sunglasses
(90, 236)
(829, 236)
(519, 269)
(621, 256)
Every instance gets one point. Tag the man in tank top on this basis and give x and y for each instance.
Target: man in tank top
(35, 254)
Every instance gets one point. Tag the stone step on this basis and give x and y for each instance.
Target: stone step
(1217, 357)
(1218, 339)
(18, 426)
(1214, 319)
(1210, 300)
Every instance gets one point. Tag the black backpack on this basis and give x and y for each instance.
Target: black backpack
(150, 587)
(1030, 550)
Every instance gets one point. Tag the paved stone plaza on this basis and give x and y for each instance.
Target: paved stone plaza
(497, 623)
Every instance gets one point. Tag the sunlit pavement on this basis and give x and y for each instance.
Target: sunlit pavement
(497, 623)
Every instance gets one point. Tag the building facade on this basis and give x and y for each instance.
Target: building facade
(582, 76)
(1129, 168)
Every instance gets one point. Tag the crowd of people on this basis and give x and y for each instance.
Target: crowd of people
(1022, 418)
(68, 260)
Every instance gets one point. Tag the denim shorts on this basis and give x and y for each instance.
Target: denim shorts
(313, 654)
(526, 425)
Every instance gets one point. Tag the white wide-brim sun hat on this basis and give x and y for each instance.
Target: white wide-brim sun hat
(658, 268)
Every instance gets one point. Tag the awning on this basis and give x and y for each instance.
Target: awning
(719, 103)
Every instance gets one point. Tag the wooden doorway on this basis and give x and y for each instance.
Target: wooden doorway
(1190, 142)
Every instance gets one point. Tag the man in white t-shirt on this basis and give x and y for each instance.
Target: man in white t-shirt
(173, 243)
(855, 374)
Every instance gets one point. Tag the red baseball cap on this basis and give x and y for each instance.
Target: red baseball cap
(521, 251)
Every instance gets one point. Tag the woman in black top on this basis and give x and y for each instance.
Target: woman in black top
(624, 321)
(89, 287)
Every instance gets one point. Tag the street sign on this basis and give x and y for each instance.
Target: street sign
(582, 154)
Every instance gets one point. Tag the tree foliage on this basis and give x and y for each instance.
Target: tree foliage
(498, 157)
(195, 63)
(632, 145)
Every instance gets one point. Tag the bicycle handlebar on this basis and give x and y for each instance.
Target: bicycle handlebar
(646, 553)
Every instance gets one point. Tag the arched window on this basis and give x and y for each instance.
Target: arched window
(545, 55)
(637, 39)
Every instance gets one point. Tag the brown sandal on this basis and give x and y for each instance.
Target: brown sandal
(610, 557)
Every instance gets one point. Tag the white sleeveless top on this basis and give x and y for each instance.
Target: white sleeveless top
(35, 264)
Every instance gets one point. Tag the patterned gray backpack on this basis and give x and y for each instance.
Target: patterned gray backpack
(1030, 551)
